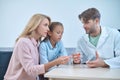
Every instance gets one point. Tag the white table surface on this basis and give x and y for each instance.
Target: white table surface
(82, 72)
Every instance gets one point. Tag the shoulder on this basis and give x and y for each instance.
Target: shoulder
(111, 31)
(83, 37)
(45, 42)
(24, 41)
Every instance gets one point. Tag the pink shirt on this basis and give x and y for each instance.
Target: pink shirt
(24, 63)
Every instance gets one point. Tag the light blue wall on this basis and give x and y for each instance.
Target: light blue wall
(14, 15)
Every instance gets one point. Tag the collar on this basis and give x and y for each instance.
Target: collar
(35, 43)
(50, 45)
(103, 37)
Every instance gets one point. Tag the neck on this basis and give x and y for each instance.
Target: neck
(52, 42)
(96, 32)
(35, 36)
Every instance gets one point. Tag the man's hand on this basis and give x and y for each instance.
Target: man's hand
(76, 58)
(96, 63)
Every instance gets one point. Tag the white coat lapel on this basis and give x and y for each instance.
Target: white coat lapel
(86, 38)
(103, 37)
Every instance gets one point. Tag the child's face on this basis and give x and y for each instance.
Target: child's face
(56, 34)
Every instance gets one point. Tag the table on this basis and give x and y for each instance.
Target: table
(82, 72)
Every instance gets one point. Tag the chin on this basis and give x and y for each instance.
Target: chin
(87, 32)
(44, 35)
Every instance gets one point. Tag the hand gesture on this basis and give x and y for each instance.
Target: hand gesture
(76, 58)
(96, 63)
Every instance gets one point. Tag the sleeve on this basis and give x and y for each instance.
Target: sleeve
(27, 61)
(115, 62)
(43, 53)
(63, 51)
(80, 44)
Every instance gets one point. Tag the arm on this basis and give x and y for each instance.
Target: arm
(76, 56)
(112, 62)
(115, 61)
(29, 58)
(60, 60)
(62, 51)
(97, 62)
(43, 53)
(29, 64)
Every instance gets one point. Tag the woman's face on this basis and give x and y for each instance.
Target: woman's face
(43, 28)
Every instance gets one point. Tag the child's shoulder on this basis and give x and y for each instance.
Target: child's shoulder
(44, 42)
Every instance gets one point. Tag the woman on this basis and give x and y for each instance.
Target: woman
(24, 63)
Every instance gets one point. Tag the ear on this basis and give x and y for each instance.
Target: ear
(97, 20)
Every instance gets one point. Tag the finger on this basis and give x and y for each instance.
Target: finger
(97, 56)
(89, 62)
(76, 56)
(91, 65)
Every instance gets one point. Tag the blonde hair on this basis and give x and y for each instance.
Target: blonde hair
(33, 24)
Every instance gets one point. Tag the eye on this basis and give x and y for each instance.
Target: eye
(58, 32)
(46, 24)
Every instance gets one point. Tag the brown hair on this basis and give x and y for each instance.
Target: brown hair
(52, 27)
(54, 24)
(91, 13)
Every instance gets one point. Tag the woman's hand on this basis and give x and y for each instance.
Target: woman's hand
(63, 59)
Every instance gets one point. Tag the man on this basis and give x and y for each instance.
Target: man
(100, 46)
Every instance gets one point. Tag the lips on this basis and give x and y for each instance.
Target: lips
(46, 33)
(59, 38)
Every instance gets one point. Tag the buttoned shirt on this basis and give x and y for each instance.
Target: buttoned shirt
(24, 63)
(49, 53)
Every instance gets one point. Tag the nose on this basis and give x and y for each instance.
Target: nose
(84, 25)
(60, 35)
(48, 28)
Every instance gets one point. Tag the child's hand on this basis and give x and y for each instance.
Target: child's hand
(76, 58)
(63, 59)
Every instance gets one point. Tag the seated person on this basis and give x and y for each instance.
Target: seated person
(100, 46)
(24, 62)
(52, 47)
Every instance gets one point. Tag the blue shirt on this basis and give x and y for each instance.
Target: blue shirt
(48, 53)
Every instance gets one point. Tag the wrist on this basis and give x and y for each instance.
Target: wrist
(105, 65)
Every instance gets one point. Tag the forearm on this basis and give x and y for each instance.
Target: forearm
(50, 64)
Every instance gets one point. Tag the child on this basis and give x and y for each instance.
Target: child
(52, 46)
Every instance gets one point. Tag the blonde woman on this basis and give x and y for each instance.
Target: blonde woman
(24, 63)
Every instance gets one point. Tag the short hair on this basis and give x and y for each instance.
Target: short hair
(91, 13)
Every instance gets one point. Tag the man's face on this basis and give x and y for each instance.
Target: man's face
(89, 26)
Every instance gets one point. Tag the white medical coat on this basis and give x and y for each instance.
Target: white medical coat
(108, 47)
